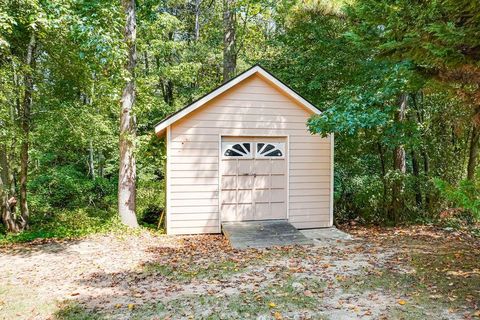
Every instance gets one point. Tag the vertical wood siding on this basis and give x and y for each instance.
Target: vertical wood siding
(254, 107)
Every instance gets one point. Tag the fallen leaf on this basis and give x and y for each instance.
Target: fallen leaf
(402, 302)
(272, 305)
(277, 315)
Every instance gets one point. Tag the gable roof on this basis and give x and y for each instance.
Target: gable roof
(256, 69)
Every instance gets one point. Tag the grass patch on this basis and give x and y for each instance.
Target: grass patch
(278, 298)
(73, 311)
(442, 280)
(15, 303)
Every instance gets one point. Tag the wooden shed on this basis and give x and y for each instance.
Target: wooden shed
(243, 152)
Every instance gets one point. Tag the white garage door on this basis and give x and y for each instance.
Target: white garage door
(253, 178)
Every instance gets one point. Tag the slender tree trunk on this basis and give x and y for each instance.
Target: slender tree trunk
(473, 149)
(426, 170)
(146, 62)
(229, 40)
(127, 171)
(25, 118)
(416, 174)
(101, 163)
(381, 153)
(399, 164)
(197, 19)
(91, 163)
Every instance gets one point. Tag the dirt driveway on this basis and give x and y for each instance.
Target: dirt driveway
(413, 273)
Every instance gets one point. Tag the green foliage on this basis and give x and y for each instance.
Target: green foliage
(465, 196)
(353, 59)
(67, 187)
(66, 224)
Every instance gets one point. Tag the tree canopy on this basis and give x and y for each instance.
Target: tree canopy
(398, 83)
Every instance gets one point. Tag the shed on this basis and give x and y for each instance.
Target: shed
(243, 152)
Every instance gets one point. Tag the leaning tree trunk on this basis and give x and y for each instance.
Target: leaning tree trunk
(229, 40)
(127, 171)
(399, 165)
(473, 149)
(25, 115)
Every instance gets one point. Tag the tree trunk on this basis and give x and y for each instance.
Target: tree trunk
(473, 149)
(5, 212)
(101, 163)
(229, 40)
(25, 115)
(197, 19)
(416, 173)
(127, 171)
(167, 91)
(91, 163)
(146, 62)
(399, 165)
(381, 153)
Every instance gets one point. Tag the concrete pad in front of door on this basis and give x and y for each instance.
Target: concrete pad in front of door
(263, 234)
(326, 234)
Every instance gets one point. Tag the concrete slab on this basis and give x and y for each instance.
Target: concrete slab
(329, 234)
(263, 234)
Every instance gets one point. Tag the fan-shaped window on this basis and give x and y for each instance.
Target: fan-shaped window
(265, 150)
(237, 149)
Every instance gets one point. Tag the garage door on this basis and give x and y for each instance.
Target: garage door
(253, 178)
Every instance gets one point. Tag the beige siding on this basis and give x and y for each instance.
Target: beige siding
(252, 108)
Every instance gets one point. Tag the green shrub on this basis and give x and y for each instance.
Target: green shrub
(66, 224)
(465, 196)
(67, 187)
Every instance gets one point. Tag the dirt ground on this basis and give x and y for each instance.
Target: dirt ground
(409, 273)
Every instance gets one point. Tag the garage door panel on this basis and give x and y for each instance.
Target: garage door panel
(262, 195)
(262, 182)
(278, 180)
(279, 166)
(278, 195)
(245, 182)
(262, 167)
(263, 210)
(229, 196)
(229, 182)
(245, 167)
(244, 196)
(278, 207)
(229, 167)
(245, 212)
(229, 212)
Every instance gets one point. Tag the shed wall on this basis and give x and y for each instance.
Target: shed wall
(254, 107)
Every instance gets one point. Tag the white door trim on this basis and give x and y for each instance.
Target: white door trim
(220, 137)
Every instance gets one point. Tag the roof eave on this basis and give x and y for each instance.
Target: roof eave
(160, 128)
